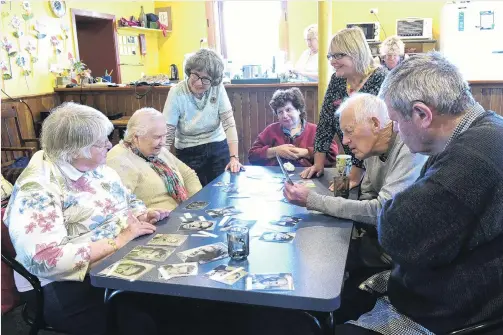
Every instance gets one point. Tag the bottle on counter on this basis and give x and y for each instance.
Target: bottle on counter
(143, 18)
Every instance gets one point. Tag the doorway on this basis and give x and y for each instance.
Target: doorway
(96, 42)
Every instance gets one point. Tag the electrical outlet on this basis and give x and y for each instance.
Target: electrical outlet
(374, 11)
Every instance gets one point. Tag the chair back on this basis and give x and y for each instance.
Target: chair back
(11, 134)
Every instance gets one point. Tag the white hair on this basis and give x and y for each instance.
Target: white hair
(365, 106)
(393, 45)
(311, 31)
(140, 122)
(71, 130)
(431, 79)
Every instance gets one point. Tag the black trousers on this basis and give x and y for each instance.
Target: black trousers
(208, 160)
(78, 308)
(353, 330)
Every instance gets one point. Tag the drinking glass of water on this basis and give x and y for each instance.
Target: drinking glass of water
(238, 242)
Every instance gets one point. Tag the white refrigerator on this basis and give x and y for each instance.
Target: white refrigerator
(471, 36)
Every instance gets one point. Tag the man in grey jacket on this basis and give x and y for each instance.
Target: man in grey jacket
(390, 166)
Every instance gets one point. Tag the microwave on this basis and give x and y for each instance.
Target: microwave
(414, 28)
(371, 30)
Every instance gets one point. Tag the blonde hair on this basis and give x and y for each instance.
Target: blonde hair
(392, 46)
(352, 42)
(311, 30)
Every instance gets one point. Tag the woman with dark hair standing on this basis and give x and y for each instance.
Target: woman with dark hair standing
(200, 119)
(292, 137)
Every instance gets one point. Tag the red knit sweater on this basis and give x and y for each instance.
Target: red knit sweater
(273, 136)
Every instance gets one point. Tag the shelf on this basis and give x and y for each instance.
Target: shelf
(142, 29)
(409, 40)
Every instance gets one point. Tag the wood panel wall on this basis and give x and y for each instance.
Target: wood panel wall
(250, 104)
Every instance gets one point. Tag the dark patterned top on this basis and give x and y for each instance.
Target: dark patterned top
(336, 93)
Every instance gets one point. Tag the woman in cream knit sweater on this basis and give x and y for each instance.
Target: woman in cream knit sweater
(147, 168)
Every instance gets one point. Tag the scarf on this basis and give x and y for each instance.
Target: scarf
(174, 186)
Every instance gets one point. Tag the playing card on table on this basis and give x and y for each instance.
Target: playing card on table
(204, 254)
(277, 237)
(178, 270)
(197, 225)
(173, 240)
(226, 274)
(127, 269)
(224, 211)
(195, 205)
(270, 282)
(150, 253)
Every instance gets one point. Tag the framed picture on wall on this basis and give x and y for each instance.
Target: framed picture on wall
(164, 15)
(143, 44)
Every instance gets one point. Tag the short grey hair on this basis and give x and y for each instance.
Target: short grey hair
(428, 78)
(208, 61)
(71, 130)
(352, 42)
(138, 124)
(365, 107)
(393, 45)
(311, 30)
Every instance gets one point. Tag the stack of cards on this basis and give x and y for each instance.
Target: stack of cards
(196, 205)
(226, 274)
(204, 254)
(172, 240)
(177, 270)
(270, 282)
(286, 221)
(225, 211)
(150, 253)
(127, 269)
(277, 237)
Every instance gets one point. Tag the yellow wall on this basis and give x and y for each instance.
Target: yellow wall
(41, 80)
(303, 13)
(189, 26)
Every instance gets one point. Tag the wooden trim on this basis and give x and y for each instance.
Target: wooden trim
(92, 14)
(223, 42)
(16, 98)
(210, 25)
(117, 56)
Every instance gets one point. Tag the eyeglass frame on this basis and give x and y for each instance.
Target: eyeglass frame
(202, 78)
(336, 55)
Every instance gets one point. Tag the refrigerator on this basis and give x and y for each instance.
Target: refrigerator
(471, 36)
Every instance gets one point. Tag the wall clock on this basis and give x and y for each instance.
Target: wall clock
(58, 7)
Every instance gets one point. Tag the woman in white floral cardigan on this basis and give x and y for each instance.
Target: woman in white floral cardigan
(68, 211)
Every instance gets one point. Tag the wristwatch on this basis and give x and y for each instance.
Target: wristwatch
(113, 244)
(235, 156)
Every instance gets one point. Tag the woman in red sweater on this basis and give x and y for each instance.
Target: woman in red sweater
(292, 137)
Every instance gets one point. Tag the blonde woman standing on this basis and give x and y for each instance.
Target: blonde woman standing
(307, 65)
(355, 71)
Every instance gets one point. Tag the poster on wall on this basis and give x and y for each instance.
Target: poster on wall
(164, 15)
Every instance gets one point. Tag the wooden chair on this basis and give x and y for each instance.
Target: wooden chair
(14, 145)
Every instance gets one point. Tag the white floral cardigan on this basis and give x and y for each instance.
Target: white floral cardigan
(55, 211)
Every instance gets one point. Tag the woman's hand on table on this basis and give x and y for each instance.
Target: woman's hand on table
(312, 171)
(234, 165)
(154, 215)
(296, 194)
(134, 229)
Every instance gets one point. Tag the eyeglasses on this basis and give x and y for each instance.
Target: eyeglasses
(204, 80)
(101, 145)
(337, 55)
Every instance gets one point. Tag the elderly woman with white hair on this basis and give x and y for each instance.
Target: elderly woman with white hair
(200, 119)
(147, 168)
(307, 65)
(355, 71)
(392, 52)
(67, 212)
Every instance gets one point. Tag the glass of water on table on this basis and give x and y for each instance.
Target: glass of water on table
(238, 242)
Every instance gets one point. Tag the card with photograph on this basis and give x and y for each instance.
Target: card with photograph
(150, 253)
(204, 254)
(178, 270)
(270, 282)
(225, 211)
(127, 269)
(277, 237)
(306, 183)
(286, 221)
(171, 240)
(233, 222)
(226, 274)
(195, 205)
(197, 225)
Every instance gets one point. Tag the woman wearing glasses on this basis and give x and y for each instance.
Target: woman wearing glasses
(307, 65)
(355, 71)
(200, 120)
(392, 52)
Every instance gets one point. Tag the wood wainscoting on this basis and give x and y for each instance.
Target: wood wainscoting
(249, 102)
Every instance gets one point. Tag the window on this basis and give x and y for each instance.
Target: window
(250, 30)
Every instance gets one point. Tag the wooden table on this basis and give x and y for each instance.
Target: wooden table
(316, 258)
